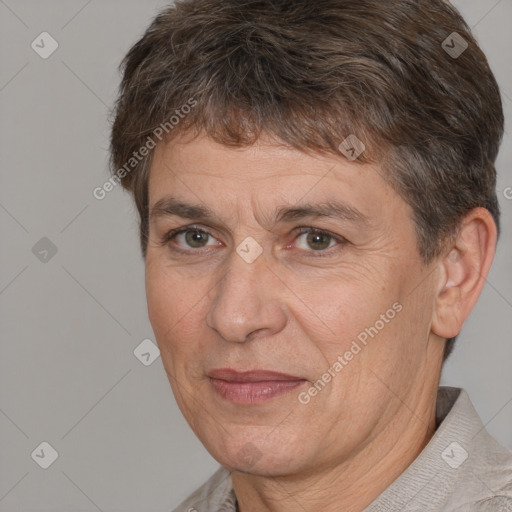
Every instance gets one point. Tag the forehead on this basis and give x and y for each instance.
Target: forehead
(264, 178)
(263, 160)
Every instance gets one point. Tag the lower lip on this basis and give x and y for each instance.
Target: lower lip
(253, 392)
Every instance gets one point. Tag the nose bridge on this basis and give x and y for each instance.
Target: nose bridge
(243, 301)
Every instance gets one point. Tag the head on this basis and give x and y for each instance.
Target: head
(242, 128)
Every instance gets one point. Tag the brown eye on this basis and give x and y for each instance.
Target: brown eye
(317, 240)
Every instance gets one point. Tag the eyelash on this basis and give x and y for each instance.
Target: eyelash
(168, 237)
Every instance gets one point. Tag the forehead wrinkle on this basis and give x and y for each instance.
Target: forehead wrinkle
(329, 208)
(334, 209)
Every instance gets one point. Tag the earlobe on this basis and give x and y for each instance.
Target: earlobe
(463, 271)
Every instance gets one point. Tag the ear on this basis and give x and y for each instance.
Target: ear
(463, 271)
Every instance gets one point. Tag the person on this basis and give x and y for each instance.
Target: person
(316, 187)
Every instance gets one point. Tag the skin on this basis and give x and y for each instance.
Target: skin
(294, 312)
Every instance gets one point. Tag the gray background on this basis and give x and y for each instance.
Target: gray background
(68, 374)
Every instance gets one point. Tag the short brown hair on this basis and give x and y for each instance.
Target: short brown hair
(309, 74)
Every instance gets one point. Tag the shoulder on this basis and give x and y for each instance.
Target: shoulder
(215, 495)
(492, 465)
(493, 468)
(485, 478)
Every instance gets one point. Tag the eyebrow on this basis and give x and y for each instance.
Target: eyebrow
(169, 206)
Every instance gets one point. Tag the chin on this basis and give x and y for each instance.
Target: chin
(257, 454)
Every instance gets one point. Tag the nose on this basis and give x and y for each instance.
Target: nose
(247, 302)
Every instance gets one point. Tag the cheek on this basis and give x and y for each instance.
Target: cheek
(176, 311)
(343, 309)
(162, 301)
(170, 298)
(168, 308)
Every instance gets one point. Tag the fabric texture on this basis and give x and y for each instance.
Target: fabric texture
(462, 469)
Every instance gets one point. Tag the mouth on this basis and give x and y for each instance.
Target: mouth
(252, 387)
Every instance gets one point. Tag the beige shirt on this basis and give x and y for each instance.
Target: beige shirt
(462, 469)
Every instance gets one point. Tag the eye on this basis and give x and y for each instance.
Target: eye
(191, 236)
(318, 240)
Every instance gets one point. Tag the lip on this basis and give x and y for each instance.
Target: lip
(254, 386)
(231, 375)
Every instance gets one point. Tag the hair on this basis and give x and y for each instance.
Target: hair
(308, 74)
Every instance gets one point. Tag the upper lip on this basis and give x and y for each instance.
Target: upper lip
(231, 375)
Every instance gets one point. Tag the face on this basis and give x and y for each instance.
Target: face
(287, 335)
